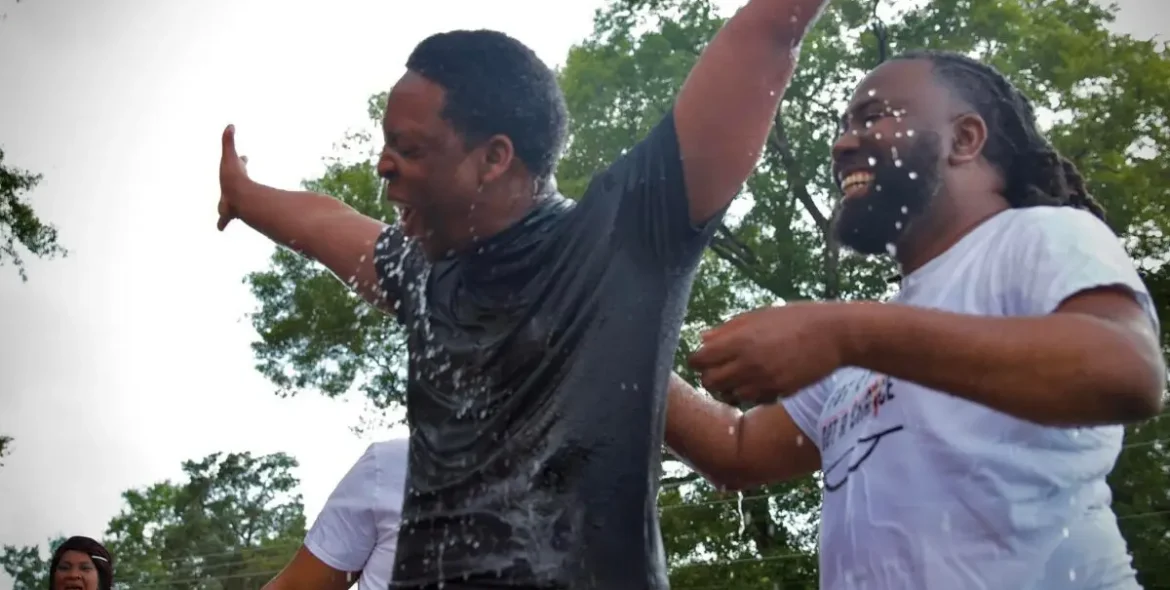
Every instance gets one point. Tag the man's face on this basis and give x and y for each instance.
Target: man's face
(888, 160)
(429, 174)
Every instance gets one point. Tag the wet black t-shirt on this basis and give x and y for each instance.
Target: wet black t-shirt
(537, 379)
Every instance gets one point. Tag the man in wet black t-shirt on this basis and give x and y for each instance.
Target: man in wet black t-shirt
(541, 330)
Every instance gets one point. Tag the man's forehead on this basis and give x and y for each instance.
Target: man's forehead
(899, 81)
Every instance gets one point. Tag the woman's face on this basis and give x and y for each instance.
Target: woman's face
(75, 571)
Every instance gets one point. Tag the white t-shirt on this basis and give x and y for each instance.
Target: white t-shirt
(357, 529)
(927, 491)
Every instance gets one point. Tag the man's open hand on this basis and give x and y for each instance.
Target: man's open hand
(233, 176)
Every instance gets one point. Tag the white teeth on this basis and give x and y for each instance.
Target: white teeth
(855, 180)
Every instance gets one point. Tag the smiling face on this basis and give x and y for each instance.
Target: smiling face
(888, 160)
(75, 571)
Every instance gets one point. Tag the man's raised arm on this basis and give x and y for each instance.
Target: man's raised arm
(317, 226)
(727, 105)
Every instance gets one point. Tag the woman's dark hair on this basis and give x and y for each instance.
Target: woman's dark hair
(1034, 172)
(102, 560)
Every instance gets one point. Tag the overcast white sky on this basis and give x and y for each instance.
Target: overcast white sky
(132, 354)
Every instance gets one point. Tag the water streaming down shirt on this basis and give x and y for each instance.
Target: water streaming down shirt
(537, 378)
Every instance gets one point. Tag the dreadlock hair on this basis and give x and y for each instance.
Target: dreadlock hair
(1034, 172)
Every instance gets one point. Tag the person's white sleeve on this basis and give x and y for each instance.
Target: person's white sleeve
(805, 408)
(1060, 252)
(345, 532)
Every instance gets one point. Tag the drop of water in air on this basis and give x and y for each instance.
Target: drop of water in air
(872, 92)
(868, 124)
(909, 133)
(877, 135)
(873, 161)
(905, 210)
(800, 440)
(913, 175)
(897, 225)
(1072, 575)
(892, 249)
(898, 134)
(897, 163)
(731, 430)
(877, 187)
(1065, 532)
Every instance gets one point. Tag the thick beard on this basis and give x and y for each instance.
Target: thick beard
(872, 223)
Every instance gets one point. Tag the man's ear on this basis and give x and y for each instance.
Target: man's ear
(498, 154)
(969, 134)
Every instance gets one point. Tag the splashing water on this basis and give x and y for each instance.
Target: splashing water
(742, 516)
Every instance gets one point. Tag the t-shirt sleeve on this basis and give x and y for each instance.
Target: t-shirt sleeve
(397, 263)
(805, 408)
(653, 213)
(345, 532)
(1062, 251)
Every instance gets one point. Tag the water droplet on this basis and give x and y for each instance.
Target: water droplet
(872, 92)
(872, 161)
(909, 133)
(913, 175)
(1065, 532)
(731, 430)
(800, 440)
(897, 225)
(853, 132)
(771, 93)
(905, 210)
(877, 135)
(877, 187)
(897, 134)
(892, 249)
(868, 124)
(897, 163)
(1072, 575)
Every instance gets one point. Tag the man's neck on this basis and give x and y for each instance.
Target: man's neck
(943, 226)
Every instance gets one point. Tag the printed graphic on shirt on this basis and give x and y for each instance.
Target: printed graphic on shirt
(853, 424)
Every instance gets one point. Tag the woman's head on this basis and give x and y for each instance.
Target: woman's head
(81, 563)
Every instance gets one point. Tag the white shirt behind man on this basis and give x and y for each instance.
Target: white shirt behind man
(356, 532)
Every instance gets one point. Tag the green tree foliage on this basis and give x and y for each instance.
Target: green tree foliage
(1105, 99)
(20, 228)
(27, 566)
(232, 525)
(5, 446)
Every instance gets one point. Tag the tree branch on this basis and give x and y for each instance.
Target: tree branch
(778, 140)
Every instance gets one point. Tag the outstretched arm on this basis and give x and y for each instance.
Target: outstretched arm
(317, 226)
(733, 449)
(728, 103)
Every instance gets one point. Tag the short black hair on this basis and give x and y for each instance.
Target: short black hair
(1034, 172)
(495, 84)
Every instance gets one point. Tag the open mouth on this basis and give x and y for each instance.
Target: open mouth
(408, 218)
(855, 184)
